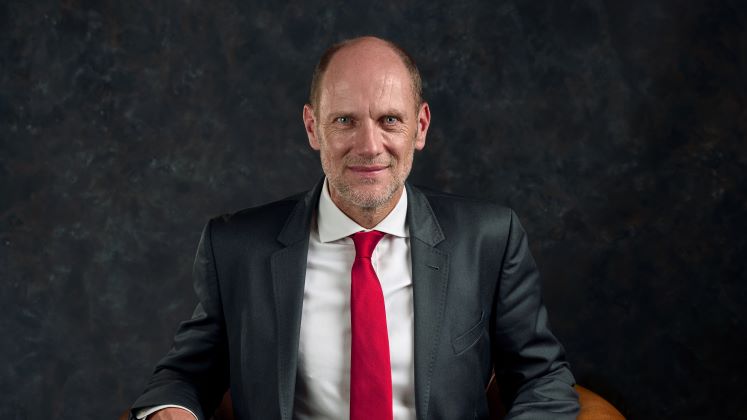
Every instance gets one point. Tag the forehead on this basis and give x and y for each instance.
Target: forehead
(368, 75)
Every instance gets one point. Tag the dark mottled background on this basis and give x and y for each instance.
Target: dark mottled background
(616, 130)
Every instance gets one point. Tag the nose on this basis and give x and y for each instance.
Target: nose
(368, 141)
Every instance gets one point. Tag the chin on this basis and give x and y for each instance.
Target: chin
(369, 196)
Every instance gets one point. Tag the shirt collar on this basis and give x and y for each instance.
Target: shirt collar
(333, 224)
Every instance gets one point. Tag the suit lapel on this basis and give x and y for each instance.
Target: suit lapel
(288, 274)
(430, 273)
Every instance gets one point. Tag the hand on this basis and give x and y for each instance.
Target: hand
(171, 413)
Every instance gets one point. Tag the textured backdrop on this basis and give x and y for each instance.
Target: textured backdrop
(616, 130)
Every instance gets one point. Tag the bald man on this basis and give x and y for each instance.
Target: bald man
(365, 297)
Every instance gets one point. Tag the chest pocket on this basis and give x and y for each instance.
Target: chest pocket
(464, 341)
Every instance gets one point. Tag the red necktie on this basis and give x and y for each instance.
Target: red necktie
(370, 367)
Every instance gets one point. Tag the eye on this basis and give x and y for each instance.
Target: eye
(390, 120)
(342, 120)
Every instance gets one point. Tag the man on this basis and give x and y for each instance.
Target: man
(366, 297)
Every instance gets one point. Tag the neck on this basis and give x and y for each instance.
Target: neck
(368, 217)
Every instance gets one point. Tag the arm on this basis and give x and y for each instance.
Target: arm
(534, 377)
(194, 374)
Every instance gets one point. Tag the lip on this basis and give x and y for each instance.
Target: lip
(368, 172)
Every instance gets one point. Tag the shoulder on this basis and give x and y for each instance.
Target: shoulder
(450, 207)
(265, 219)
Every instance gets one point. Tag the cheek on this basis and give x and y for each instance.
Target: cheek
(336, 143)
(331, 159)
(333, 156)
(405, 149)
(406, 162)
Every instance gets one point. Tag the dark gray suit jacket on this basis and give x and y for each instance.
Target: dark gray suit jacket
(477, 306)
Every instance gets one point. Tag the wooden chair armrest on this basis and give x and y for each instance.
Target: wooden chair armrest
(594, 407)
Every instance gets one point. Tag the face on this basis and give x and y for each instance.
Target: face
(366, 126)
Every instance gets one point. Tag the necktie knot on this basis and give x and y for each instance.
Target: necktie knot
(365, 242)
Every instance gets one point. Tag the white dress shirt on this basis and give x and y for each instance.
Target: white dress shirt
(323, 379)
(323, 376)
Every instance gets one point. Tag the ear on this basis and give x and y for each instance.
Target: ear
(309, 123)
(424, 121)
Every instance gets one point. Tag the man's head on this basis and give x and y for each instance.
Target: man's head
(321, 68)
(366, 117)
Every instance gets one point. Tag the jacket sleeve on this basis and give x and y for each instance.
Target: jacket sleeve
(194, 373)
(533, 375)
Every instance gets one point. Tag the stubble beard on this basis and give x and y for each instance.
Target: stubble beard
(366, 200)
(363, 199)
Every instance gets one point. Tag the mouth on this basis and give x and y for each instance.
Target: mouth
(368, 170)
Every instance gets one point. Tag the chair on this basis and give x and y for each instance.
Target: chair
(593, 407)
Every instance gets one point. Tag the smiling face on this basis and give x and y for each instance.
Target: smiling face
(366, 126)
